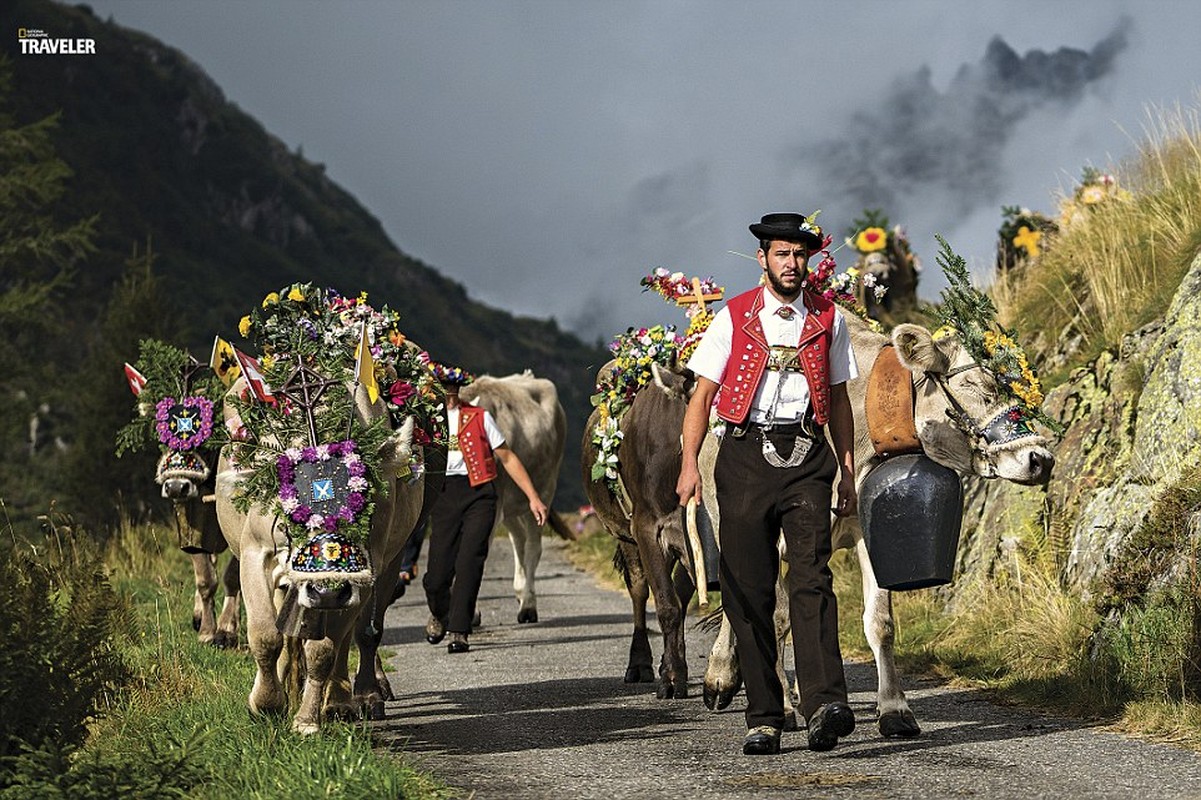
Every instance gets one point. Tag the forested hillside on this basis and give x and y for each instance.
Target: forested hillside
(197, 212)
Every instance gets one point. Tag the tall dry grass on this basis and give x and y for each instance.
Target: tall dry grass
(1115, 266)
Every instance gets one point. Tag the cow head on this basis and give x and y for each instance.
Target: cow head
(965, 418)
(675, 382)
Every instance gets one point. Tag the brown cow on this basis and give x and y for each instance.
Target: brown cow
(651, 537)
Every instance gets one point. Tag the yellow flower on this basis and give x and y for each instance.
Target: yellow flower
(268, 361)
(244, 326)
(362, 301)
(1028, 239)
(271, 299)
(1091, 195)
(871, 239)
(296, 295)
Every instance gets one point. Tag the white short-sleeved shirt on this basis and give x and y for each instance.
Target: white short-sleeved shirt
(710, 357)
(455, 465)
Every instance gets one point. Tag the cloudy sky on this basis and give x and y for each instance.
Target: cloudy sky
(549, 153)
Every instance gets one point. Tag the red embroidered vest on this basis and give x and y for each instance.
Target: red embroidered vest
(749, 350)
(473, 442)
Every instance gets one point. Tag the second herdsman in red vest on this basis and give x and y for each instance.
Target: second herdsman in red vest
(465, 511)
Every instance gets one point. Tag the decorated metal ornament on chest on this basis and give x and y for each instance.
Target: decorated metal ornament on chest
(324, 494)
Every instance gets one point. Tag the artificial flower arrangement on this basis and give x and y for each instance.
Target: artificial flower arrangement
(175, 407)
(872, 233)
(1022, 236)
(320, 468)
(633, 353)
(841, 287)
(971, 316)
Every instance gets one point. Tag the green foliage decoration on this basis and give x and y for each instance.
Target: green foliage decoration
(303, 327)
(973, 316)
(164, 366)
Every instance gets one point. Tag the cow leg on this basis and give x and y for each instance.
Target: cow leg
(673, 669)
(204, 612)
(526, 539)
(227, 623)
(327, 683)
(783, 631)
(895, 717)
(339, 701)
(723, 678)
(640, 668)
(263, 637)
(371, 686)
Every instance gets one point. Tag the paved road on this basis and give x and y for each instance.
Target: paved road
(540, 711)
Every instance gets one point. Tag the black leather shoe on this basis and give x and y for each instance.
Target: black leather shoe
(435, 630)
(458, 643)
(828, 723)
(761, 741)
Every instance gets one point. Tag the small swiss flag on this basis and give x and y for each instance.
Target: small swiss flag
(136, 379)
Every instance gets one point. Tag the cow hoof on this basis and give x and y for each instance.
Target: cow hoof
(195, 623)
(225, 641)
(790, 721)
(719, 699)
(671, 691)
(527, 615)
(640, 674)
(899, 723)
(305, 728)
(376, 711)
(385, 690)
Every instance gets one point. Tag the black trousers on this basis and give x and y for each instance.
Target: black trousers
(757, 501)
(460, 532)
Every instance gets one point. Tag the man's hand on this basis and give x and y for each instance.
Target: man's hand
(689, 485)
(848, 497)
(539, 510)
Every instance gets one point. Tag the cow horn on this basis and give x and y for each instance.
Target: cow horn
(698, 554)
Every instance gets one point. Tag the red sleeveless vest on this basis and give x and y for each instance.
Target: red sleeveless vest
(749, 350)
(473, 442)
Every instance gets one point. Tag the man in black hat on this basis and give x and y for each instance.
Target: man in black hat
(776, 360)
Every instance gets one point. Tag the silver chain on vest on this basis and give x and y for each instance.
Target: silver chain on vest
(800, 446)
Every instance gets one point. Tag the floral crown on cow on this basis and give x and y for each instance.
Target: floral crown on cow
(451, 376)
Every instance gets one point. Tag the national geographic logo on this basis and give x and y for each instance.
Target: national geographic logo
(36, 42)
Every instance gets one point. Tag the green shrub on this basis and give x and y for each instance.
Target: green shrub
(59, 664)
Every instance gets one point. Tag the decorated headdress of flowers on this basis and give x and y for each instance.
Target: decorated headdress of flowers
(175, 405)
(451, 376)
(869, 233)
(972, 316)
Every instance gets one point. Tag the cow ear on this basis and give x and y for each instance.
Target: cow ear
(397, 449)
(917, 351)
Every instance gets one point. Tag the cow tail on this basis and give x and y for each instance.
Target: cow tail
(621, 565)
(293, 670)
(559, 526)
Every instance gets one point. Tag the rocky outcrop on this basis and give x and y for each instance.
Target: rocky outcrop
(1133, 427)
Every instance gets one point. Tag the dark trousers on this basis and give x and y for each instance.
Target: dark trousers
(756, 501)
(460, 531)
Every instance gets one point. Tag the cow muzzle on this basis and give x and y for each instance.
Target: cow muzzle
(179, 489)
(329, 596)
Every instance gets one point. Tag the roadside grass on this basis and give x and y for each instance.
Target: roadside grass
(192, 695)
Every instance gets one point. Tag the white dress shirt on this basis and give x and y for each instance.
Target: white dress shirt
(712, 354)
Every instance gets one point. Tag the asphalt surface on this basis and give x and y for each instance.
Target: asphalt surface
(540, 711)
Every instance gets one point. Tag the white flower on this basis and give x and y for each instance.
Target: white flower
(351, 458)
(315, 522)
(357, 484)
(323, 452)
(289, 505)
(293, 454)
(677, 276)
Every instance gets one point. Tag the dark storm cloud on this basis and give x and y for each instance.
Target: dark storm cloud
(948, 147)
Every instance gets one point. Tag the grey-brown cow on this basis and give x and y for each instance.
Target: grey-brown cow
(199, 535)
(942, 369)
(261, 544)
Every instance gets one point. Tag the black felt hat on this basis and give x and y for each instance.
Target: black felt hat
(788, 228)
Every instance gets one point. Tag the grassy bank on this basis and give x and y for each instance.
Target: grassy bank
(183, 713)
